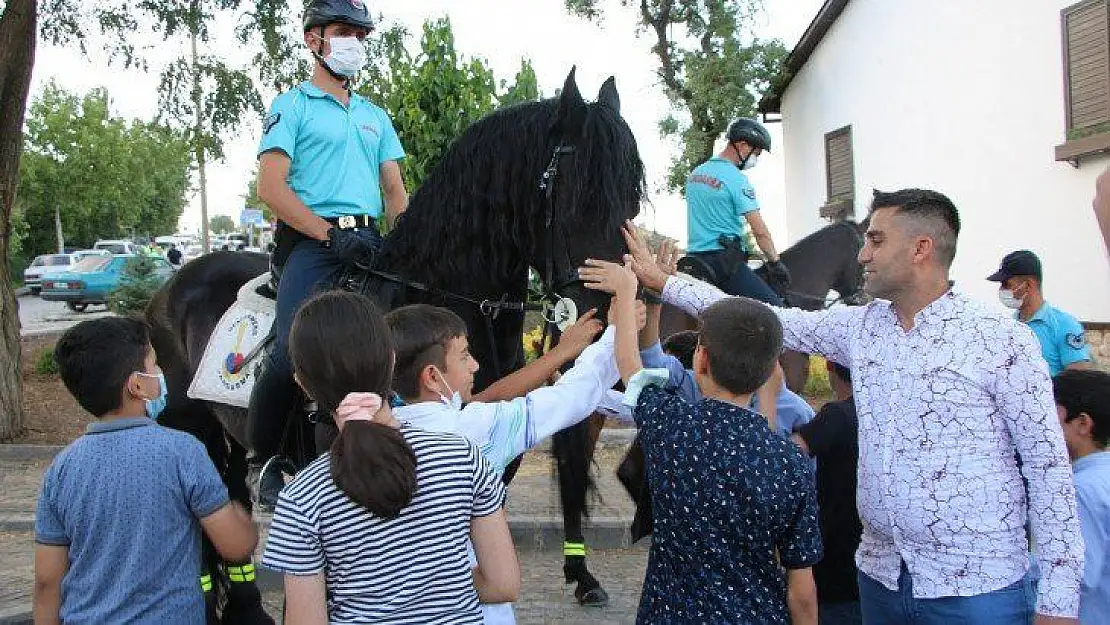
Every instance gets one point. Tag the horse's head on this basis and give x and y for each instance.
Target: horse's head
(592, 183)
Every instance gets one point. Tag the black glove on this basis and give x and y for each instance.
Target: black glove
(350, 247)
(778, 273)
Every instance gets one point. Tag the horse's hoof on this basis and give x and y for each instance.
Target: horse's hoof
(596, 597)
(245, 611)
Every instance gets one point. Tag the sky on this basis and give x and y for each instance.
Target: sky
(502, 32)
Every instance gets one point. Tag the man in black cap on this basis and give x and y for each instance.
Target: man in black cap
(1060, 334)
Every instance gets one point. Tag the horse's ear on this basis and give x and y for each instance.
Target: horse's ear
(572, 108)
(609, 96)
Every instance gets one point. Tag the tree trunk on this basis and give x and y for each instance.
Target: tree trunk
(58, 229)
(18, 24)
(198, 134)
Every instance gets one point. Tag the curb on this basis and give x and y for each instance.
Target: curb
(531, 532)
(609, 437)
(29, 452)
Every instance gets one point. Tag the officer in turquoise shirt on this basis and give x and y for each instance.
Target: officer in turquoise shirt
(326, 159)
(1060, 334)
(718, 196)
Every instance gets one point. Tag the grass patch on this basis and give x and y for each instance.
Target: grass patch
(45, 363)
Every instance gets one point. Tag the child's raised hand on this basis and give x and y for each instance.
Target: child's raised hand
(612, 278)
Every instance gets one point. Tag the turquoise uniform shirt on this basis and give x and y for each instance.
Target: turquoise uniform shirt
(718, 194)
(336, 151)
(1061, 338)
(1092, 493)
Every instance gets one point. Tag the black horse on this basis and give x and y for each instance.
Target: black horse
(823, 261)
(542, 185)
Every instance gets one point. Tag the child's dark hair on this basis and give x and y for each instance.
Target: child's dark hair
(681, 345)
(742, 339)
(1085, 391)
(339, 344)
(420, 336)
(96, 357)
(842, 372)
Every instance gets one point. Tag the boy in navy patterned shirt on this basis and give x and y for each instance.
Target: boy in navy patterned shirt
(118, 522)
(733, 502)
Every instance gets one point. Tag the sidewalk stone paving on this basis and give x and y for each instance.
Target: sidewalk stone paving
(534, 514)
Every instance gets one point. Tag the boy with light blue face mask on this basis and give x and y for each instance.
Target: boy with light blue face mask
(127, 472)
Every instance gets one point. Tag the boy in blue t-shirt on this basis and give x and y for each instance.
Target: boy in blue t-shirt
(118, 520)
(733, 502)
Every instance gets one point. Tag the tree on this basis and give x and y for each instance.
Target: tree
(270, 59)
(137, 285)
(221, 224)
(18, 24)
(713, 69)
(98, 176)
(433, 96)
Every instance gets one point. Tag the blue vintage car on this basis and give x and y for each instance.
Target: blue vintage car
(92, 279)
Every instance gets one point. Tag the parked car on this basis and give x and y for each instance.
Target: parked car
(91, 280)
(32, 275)
(80, 255)
(117, 246)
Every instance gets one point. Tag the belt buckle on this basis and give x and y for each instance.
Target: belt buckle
(347, 221)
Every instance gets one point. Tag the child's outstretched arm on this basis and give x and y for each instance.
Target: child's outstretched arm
(573, 342)
(619, 281)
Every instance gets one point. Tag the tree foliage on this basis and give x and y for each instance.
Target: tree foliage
(107, 177)
(712, 67)
(434, 95)
(221, 224)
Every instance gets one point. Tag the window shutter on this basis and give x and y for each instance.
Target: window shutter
(1087, 63)
(839, 172)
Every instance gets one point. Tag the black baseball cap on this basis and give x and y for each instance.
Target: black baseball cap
(1019, 263)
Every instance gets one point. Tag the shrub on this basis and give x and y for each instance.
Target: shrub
(137, 285)
(45, 363)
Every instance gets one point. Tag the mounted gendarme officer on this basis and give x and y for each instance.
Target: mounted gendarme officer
(326, 159)
(718, 195)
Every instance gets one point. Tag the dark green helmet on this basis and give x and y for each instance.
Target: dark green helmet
(751, 132)
(324, 12)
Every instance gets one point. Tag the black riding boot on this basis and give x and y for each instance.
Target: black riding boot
(272, 401)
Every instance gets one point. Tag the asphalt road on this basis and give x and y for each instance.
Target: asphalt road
(39, 317)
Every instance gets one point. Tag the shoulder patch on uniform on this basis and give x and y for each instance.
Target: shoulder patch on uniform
(750, 193)
(1075, 341)
(270, 122)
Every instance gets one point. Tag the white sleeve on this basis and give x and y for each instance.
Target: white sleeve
(503, 430)
(577, 394)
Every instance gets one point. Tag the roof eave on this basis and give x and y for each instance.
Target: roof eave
(814, 34)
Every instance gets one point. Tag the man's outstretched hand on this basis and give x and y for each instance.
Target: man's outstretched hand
(643, 264)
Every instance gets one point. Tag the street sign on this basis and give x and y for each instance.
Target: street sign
(250, 217)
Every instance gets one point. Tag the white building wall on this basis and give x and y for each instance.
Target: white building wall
(965, 98)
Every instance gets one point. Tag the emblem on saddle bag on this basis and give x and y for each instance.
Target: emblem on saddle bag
(227, 373)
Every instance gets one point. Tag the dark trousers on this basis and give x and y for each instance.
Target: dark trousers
(739, 279)
(308, 268)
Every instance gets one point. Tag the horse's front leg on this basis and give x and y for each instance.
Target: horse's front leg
(588, 590)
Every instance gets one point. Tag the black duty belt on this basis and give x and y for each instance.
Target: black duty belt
(351, 222)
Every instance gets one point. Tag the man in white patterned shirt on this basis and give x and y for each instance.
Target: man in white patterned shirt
(947, 391)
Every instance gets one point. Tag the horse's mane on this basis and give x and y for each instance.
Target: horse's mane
(482, 200)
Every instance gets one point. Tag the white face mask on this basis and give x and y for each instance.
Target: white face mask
(455, 402)
(347, 56)
(750, 163)
(1006, 296)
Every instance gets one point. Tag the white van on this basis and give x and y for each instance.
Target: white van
(117, 246)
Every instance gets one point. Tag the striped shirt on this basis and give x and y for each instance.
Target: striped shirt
(410, 569)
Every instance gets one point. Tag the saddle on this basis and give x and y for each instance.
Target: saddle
(732, 255)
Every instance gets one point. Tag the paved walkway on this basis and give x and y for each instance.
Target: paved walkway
(534, 516)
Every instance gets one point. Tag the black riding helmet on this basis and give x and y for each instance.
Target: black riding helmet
(320, 13)
(751, 132)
